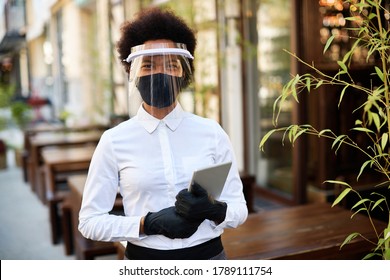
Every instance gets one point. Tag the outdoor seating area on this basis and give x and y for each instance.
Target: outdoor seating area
(290, 94)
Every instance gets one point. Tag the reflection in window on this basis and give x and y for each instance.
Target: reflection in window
(202, 97)
(274, 167)
(206, 75)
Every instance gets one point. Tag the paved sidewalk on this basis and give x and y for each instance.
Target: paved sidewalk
(24, 222)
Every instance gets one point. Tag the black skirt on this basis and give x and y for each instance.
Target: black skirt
(204, 251)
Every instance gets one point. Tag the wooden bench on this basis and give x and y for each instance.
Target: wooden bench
(248, 183)
(58, 164)
(85, 248)
(67, 228)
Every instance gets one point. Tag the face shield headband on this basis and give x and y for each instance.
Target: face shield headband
(158, 73)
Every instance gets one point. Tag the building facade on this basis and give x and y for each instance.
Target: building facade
(241, 67)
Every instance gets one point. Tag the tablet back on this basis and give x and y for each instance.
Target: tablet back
(212, 178)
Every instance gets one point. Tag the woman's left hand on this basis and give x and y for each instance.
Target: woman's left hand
(197, 205)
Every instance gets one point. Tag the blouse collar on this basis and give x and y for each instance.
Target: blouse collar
(172, 120)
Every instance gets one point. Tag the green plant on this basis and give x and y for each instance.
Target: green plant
(374, 112)
(6, 93)
(21, 113)
(64, 115)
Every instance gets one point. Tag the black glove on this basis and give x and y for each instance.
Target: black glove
(170, 224)
(197, 205)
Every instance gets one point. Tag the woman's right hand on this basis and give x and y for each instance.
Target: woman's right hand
(169, 223)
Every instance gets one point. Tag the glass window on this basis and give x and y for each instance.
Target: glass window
(273, 22)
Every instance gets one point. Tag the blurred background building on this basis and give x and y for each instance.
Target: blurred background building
(59, 57)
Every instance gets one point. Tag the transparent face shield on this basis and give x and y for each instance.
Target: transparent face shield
(158, 73)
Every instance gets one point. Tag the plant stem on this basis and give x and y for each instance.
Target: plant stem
(384, 64)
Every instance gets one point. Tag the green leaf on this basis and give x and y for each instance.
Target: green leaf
(376, 120)
(380, 242)
(265, 138)
(299, 134)
(352, 18)
(360, 202)
(349, 238)
(342, 95)
(292, 132)
(379, 194)
(361, 209)
(363, 129)
(287, 130)
(386, 236)
(320, 82)
(379, 151)
(358, 122)
(341, 196)
(293, 87)
(323, 132)
(371, 16)
(379, 72)
(347, 56)
(378, 203)
(362, 168)
(308, 83)
(372, 3)
(343, 66)
(339, 140)
(327, 45)
(387, 254)
(276, 110)
(384, 140)
(369, 256)
(338, 182)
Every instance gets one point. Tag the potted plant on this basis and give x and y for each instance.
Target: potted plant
(21, 113)
(13, 113)
(6, 93)
(373, 121)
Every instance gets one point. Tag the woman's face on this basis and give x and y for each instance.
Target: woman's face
(160, 69)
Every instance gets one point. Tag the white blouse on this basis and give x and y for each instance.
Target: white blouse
(151, 160)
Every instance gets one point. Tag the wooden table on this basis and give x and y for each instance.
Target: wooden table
(58, 164)
(46, 139)
(312, 231)
(307, 232)
(63, 160)
(44, 127)
(28, 132)
(85, 248)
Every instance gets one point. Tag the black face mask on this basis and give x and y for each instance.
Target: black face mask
(159, 90)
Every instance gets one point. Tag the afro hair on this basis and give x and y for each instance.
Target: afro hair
(154, 24)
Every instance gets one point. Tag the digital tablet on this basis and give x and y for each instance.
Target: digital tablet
(212, 178)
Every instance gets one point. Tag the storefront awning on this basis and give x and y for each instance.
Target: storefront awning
(11, 42)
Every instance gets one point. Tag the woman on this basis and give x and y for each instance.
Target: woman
(151, 157)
